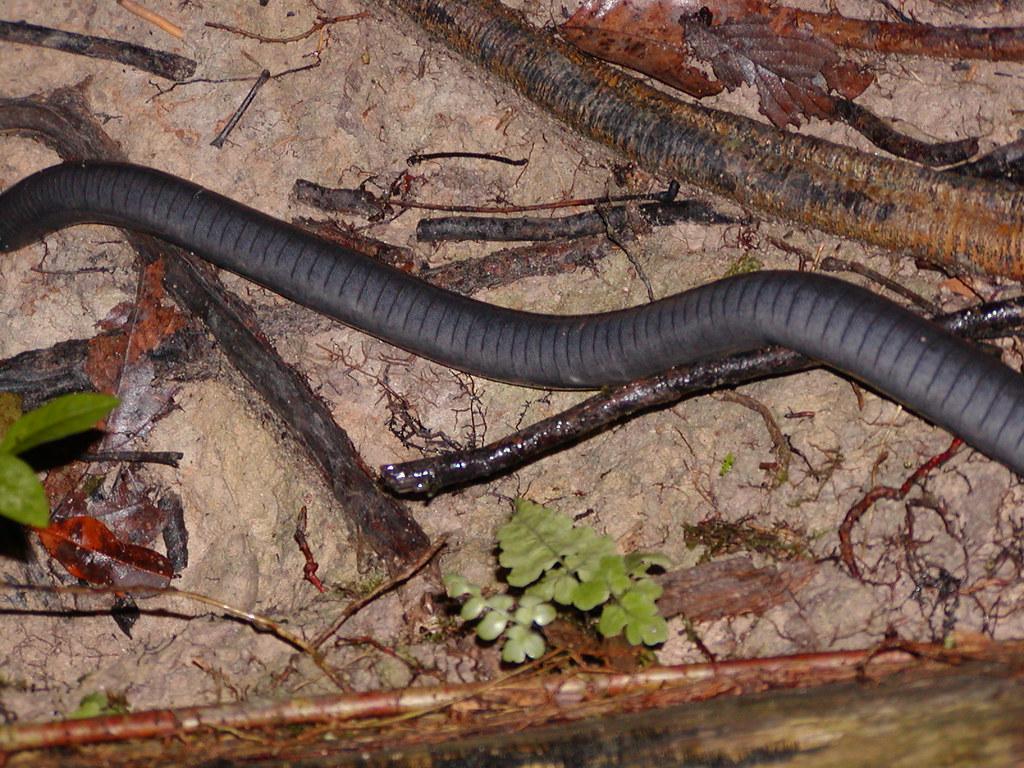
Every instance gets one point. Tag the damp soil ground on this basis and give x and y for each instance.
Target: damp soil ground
(383, 91)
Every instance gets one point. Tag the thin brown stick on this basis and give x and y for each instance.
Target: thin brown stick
(321, 22)
(311, 566)
(153, 18)
(914, 39)
(357, 605)
(221, 137)
(257, 621)
(498, 209)
(832, 264)
(783, 453)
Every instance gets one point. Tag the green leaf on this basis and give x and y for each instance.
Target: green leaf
(533, 541)
(557, 584)
(520, 643)
(544, 614)
(457, 586)
(727, 464)
(613, 571)
(492, 625)
(530, 601)
(591, 594)
(613, 620)
(501, 602)
(22, 497)
(648, 588)
(473, 608)
(609, 579)
(651, 631)
(637, 614)
(565, 588)
(523, 616)
(544, 589)
(63, 416)
(98, 703)
(638, 563)
(587, 550)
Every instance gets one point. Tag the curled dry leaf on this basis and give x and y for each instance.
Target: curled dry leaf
(792, 72)
(90, 551)
(792, 69)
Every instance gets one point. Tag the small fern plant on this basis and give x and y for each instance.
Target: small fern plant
(554, 563)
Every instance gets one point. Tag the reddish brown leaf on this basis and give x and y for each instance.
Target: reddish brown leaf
(613, 653)
(89, 551)
(791, 68)
(156, 320)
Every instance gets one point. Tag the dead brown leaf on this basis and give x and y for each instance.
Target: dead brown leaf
(793, 72)
(792, 69)
(90, 551)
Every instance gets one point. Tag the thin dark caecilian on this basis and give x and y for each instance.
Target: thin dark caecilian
(907, 358)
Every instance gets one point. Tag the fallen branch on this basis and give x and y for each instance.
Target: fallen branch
(431, 475)
(977, 225)
(972, 685)
(160, 63)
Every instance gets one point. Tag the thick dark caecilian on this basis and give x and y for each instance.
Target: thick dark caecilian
(907, 358)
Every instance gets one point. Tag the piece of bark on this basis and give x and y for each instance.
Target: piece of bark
(63, 122)
(733, 587)
(78, 365)
(39, 375)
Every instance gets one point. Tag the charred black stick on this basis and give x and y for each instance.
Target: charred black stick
(160, 63)
(41, 374)
(361, 201)
(221, 137)
(430, 475)
(1004, 162)
(424, 156)
(451, 228)
(352, 201)
(469, 276)
(169, 458)
(882, 135)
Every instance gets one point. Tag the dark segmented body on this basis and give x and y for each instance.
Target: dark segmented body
(848, 328)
